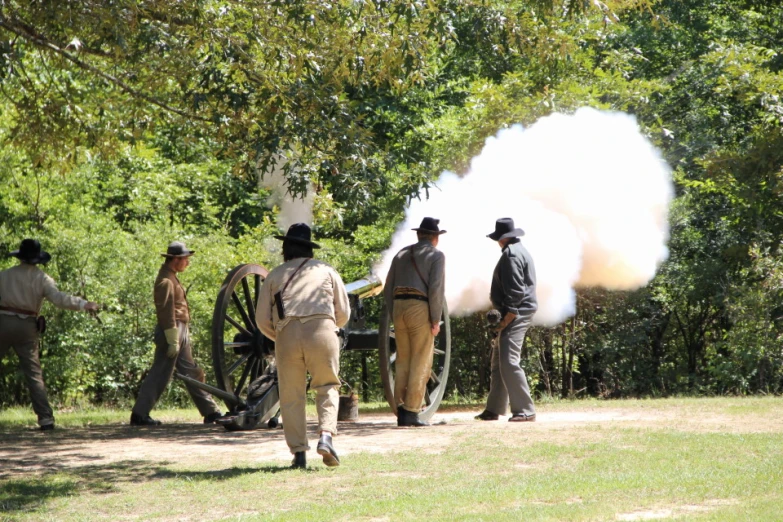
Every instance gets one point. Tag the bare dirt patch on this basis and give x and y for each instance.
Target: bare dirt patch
(23, 451)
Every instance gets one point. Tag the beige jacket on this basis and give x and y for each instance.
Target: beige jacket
(432, 265)
(170, 303)
(25, 287)
(315, 291)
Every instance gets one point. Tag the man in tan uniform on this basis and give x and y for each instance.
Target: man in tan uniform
(172, 343)
(414, 293)
(22, 291)
(302, 304)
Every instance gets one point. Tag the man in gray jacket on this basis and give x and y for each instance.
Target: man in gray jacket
(513, 293)
(414, 295)
(22, 291)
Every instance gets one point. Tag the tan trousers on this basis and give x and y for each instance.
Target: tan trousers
(22, 335)
(162, 370)
(314, 347)
(413, 335)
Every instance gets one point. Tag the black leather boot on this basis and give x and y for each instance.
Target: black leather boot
(326, 450)
(300, 460)
(410, 419)
(138, 420)
(400, 416)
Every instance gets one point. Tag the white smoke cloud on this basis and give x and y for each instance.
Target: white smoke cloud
(590, 191)
(292, 210)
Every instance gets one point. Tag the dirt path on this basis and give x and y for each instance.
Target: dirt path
(26, 451)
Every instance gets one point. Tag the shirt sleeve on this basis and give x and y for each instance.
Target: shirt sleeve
(342, 305)
(388, 287)
(164, 304)
(437, 287)
(61, 299)
(264, 311)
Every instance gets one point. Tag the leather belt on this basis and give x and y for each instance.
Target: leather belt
(402, 297)
(18, 311)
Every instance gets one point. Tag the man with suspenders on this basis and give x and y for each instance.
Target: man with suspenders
(302, 304)
(414, 293)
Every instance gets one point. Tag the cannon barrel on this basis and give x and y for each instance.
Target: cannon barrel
(367, 287)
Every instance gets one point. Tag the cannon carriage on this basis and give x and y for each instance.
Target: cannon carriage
(243, 358)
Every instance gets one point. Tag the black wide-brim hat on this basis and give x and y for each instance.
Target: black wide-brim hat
(429, 224)
(504, 229)
(299, 233)
(178, 249)
(30, 252)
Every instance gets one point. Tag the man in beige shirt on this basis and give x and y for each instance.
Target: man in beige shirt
(22, 291)
(302, 304)
(414, 293)
(172, 343)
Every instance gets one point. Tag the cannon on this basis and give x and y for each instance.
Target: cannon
(244, 362)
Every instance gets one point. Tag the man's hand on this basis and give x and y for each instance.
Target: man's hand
(172, 338)
(505, 322)
(92, 307)
(435, 329)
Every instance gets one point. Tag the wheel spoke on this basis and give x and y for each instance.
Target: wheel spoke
(434, 378)
(237, 363)
(427, 399)
(236, 345)
(257, 289)
(238, 326)
(439, 352)
(251, 306)
(393, 358)
(242, 379)
(254, 370)
(242, 312)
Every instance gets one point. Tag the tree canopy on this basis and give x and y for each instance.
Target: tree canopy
(126, 121)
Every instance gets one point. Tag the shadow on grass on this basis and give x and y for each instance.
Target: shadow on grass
(224, 474)
(26, 494)
(25, 451)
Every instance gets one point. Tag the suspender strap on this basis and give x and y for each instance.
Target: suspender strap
(292, 276)
(416, 267)
(278, 300)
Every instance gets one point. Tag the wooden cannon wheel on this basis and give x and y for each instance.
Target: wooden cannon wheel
(240, 352)
(436, 385)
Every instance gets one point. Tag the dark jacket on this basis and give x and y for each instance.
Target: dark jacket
(514, 282)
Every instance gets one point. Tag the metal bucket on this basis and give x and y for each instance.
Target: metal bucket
(348, 408)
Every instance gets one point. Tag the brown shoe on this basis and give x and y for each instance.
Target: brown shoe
(486, 415)
(521, 417)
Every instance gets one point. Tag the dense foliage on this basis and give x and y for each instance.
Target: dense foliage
(127, 124)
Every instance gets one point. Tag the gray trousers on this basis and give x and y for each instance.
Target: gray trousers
(162, 370)
(508, 383)
(22, 335)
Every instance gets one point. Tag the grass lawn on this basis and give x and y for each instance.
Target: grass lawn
(689, 459)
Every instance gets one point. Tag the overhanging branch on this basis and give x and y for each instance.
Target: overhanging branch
(47, 45)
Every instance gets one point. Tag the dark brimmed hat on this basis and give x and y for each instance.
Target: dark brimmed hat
(430, 225)
(504, 229)
(178, 249)
(299, 233)
(30, 252)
